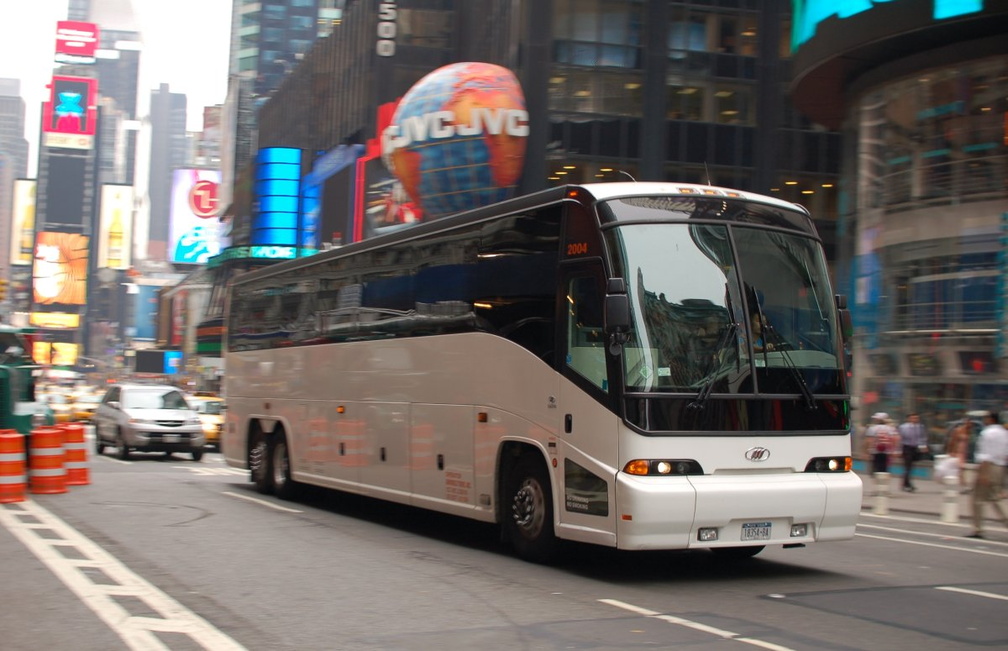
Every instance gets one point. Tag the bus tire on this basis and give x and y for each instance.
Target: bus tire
(737, 553)
(259, 458)
(280, 471)
(528, 511)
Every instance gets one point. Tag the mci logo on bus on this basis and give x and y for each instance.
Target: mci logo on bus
(757, 454)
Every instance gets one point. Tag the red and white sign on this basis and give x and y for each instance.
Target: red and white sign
(203, 199)
(76, 41)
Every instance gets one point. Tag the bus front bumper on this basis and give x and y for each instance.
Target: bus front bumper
(702, 512)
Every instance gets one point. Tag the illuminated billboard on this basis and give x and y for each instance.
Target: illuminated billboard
(145, 309)
(23, 222)
(277, 193)
(115, 227)
(76, 41)
(54, 320)
(70, 117)
(836, 42)
(195, 233)
(59, 275)
(458, 136)
(57, 353)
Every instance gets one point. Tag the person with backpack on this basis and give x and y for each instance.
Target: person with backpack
(880, 441)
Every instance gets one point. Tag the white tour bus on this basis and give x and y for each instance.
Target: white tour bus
(637, 365)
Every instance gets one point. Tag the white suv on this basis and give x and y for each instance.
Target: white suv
(147, 418)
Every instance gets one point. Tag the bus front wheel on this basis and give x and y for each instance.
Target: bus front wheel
(528, 517)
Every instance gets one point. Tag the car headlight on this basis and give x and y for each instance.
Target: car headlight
(141, 421)
(193, 420)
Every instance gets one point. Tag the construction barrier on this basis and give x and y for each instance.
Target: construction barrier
(76, 462)
(12, 466)
(46, 459)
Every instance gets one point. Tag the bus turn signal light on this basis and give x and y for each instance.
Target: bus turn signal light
(659, 467)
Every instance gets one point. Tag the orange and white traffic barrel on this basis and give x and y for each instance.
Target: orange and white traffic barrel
(12, 466)
(76, 462)
(46, 459)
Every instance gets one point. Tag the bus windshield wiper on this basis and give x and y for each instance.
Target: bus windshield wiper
(781, 345)
(731, 330)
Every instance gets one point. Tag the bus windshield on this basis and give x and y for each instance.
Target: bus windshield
(727, 308)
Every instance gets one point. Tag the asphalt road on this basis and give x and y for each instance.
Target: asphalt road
(171, 553)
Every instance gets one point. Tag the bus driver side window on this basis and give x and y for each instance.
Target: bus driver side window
(585, 338)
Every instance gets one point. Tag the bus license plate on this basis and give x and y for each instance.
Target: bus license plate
(756, 530)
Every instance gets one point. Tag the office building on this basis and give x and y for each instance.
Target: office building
(920, 91)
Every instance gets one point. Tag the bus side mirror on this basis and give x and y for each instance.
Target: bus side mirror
(617, 314)
(846, 323)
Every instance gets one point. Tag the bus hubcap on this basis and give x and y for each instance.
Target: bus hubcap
(527, 507)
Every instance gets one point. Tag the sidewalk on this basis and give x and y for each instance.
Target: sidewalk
(928, 500)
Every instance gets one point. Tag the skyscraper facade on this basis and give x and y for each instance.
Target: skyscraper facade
(168, 151)
(13, 160)
(920, 90)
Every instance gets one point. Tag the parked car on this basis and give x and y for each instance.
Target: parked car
(148, 418)
(211, 414)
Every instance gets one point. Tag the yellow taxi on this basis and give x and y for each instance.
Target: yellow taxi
(61, 405)
(210, 410)
(84, 406)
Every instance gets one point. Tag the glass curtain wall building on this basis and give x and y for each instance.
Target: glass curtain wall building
(925, 202)
(652, 90)
(648, 89)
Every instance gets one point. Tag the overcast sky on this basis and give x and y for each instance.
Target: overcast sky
(185, 45)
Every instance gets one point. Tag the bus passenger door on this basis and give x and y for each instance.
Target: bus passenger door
(587, 432)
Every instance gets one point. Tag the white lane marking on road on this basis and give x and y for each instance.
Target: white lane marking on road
(212, 471)
(697, 626)
(983, 552)
(128, 463)
(916, 520)
(262, 502)
(977, 593)
(25, 519)
(921, 533)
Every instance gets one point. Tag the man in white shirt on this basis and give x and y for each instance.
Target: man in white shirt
(991, 456)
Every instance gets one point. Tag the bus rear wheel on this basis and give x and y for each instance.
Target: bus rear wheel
(528, 516)
(259, 469)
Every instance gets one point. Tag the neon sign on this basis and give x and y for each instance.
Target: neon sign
(807, 14)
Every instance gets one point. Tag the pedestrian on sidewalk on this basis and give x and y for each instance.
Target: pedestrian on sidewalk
(957, 447)
(991, 457)
(880, 441)
(914, 439)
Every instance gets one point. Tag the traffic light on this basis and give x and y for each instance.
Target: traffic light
(3, 289)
